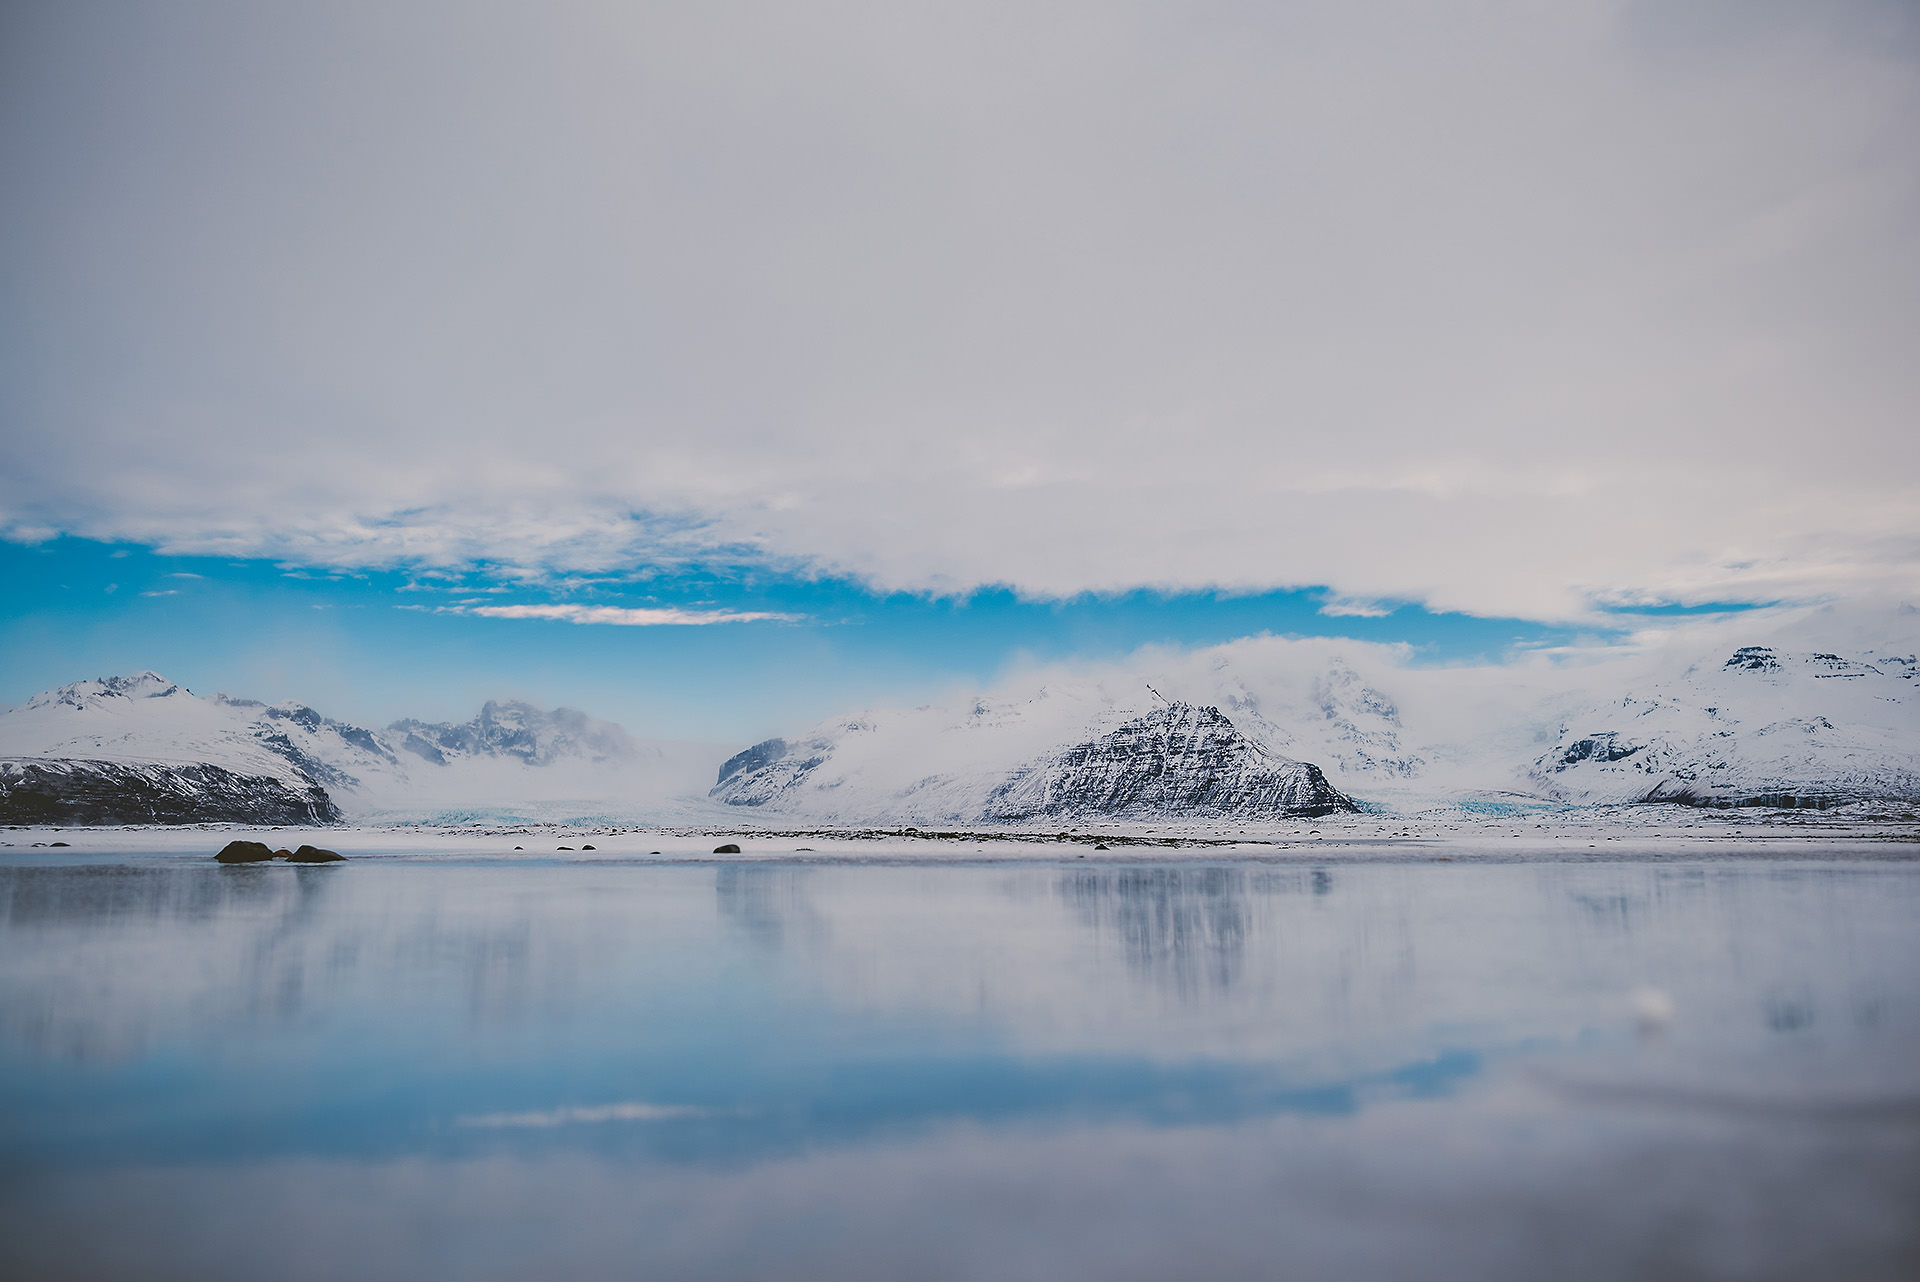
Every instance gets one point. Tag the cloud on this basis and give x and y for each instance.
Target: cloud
(1494, 310)
(618, 616)
(1343, 607)
(627, 1112)
(163, 592)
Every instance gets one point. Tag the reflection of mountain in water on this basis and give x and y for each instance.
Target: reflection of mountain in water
(770, 904)
(146, 953)
(1185, 928)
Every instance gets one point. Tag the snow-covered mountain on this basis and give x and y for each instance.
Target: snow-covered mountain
(1176, 761)
(1721, 724)
(168, 755)
(1759, 727)
(46, 790)
(1201, 736)
(1807, 713)
(518, 730)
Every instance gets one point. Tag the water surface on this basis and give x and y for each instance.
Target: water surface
(1191, 1068)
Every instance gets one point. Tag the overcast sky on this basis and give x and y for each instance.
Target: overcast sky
(1511, 309)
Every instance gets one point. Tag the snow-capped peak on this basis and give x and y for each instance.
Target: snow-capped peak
(102, 691)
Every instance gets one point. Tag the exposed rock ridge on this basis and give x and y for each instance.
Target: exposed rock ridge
(1179, 761)
(768, 771)
(43, 790)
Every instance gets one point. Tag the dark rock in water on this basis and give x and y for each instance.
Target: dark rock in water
(567, 848)
(586, 847)
(245, 852)
(1100, 845)
(728, 849)
(51, 844)
(58, 791)
(315, 855)
(283, 853)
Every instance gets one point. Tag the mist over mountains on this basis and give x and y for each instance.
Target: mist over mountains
(1254, 731)
(140, 748)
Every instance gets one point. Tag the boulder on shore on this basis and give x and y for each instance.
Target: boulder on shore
(245, 852)
(728, 849)
(315, 855)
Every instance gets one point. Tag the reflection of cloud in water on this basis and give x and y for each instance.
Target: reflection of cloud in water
(1493, 1187)
(1335, 969)
(105, 963)
(631, 1111)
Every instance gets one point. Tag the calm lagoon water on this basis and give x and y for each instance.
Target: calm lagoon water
(1030, 1070)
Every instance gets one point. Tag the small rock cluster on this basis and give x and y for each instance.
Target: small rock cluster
(258, 852)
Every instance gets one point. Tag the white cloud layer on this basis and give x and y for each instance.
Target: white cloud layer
(1500, 308)
(619, 616)
(546, 1119)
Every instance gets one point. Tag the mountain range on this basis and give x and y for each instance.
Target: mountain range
(142, 748)
(1254, 731)
(1174, 761)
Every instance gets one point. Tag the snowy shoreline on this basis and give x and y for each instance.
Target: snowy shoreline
(1637, 832)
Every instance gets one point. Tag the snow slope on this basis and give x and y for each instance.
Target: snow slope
(1759, 727)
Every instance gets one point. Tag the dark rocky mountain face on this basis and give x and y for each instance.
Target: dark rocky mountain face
(40, 790)
(765, 773)
(1181, 762)
(760, 754)
(1753, 658)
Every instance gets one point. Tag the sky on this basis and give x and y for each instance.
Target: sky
(722, 367)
